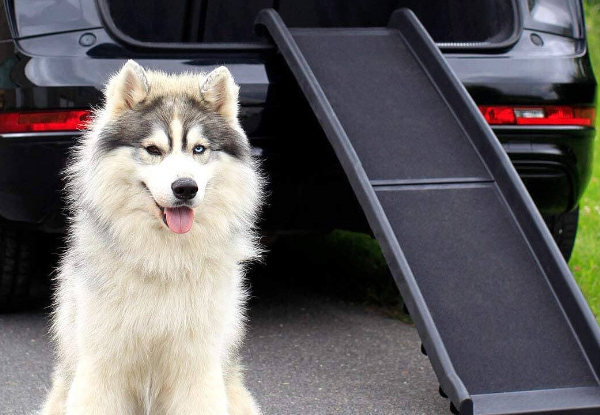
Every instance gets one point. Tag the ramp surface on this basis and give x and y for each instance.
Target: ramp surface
(504, 324)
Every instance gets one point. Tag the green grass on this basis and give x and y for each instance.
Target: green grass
(585, 262)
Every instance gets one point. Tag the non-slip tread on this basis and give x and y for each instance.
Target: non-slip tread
(398, 123)
(492, 305)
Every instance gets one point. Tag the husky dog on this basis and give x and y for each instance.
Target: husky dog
(164, 195)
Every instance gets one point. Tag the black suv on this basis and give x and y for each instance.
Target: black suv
(525, 63)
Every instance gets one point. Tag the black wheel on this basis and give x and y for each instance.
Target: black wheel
(17, 253)
(564, 229)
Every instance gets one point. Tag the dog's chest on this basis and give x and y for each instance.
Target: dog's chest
(157, 315)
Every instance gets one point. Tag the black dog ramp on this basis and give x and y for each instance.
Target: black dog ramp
(501, 318)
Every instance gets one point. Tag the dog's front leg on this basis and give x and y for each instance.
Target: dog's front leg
(98, 390)
(196, 390)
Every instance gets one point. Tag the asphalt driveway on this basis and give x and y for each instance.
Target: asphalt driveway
(305, 354)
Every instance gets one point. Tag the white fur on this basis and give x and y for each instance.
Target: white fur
(148, 321)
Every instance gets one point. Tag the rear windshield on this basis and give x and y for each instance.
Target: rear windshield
(232, 20)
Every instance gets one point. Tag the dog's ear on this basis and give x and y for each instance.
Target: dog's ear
(220, 92)
(127, 88)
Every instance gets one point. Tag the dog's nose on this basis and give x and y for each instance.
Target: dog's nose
(184, 189)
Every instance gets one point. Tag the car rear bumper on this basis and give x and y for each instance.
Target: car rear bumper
(30, 178)
(554, 163)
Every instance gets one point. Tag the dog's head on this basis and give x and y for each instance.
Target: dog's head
(167, 153)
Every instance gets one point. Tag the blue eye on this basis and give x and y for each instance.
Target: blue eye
(199, 149)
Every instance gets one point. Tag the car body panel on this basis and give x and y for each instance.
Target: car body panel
(60, 71)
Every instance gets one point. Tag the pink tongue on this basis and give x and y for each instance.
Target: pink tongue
(180, 219)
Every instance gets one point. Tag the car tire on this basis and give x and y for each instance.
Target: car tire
(563, 228)
(17, 256)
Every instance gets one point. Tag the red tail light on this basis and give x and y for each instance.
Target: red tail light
(539, 115)
(35, 121)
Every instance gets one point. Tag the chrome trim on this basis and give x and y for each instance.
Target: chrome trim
(41, 134)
